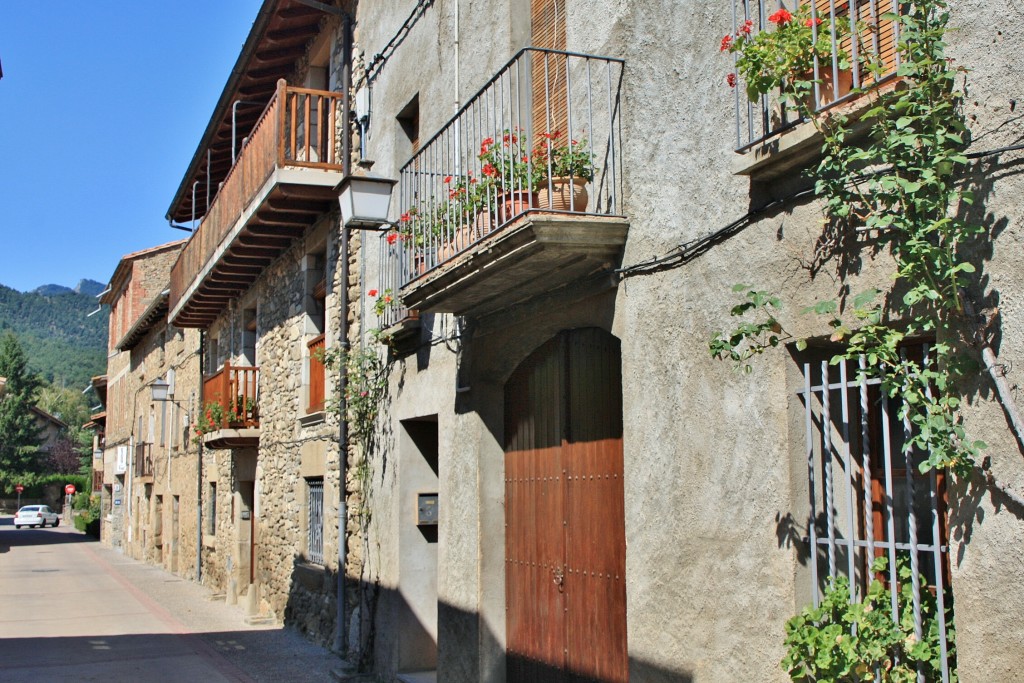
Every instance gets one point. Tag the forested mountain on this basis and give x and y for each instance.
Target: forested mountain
(63, 342)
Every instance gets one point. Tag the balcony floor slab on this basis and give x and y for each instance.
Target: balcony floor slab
(534, 254)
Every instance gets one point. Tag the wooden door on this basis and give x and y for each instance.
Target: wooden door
(565, 532)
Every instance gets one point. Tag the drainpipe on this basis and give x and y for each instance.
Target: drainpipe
(346, 165)
(199, 465)
(234, 115)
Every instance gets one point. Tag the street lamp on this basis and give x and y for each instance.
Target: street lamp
(364, 202)
(158, 390)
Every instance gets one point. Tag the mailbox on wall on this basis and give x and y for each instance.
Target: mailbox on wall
(426, 509)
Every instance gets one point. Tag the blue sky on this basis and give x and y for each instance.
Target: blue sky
(102, 105)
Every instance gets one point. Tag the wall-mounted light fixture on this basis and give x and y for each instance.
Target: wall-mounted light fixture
(364, 202)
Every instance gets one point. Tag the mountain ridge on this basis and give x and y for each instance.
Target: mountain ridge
(61, 329)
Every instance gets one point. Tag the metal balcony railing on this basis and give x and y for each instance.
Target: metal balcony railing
(546, 117)
(862, 33)
(235, 390)
(296, 130)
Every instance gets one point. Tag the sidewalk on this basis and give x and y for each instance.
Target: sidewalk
(71, 609)
(263, 652)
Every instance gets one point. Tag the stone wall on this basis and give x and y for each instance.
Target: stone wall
(294, 445)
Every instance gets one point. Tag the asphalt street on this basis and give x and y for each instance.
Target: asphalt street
(72, 610)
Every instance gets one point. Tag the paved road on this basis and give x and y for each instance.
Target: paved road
(72, 610)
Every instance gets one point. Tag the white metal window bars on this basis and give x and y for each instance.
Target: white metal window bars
(315, 539)
(873, 39)
(884, 505)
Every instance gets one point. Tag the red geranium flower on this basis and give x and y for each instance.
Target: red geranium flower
(372, 292)
(392, 237)
(405, 217)
(781, 17)
(731, 80)
(447, 179)
(747, 27)
(489, 171)
(816, 21)
(726, 43)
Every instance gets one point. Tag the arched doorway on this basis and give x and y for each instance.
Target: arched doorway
(565, 546)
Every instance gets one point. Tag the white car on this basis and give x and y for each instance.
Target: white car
(36, 515)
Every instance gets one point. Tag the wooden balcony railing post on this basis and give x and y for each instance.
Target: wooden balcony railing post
(271, 144)
(282, 103)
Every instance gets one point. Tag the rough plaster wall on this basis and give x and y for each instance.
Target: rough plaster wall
(986, 527)
(709, 453)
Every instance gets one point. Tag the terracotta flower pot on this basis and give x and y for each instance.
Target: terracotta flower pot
(513, 203)
(462, 238)
(563, 194)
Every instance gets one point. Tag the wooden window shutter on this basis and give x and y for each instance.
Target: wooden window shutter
(550, 99)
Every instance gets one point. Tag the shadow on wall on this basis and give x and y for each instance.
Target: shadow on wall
(311, 606)
(464, 651)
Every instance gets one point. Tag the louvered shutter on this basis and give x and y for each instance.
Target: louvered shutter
(550, 101)
(877, 37)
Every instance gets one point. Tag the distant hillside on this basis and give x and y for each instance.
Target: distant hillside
(86, 287)
(63, 343)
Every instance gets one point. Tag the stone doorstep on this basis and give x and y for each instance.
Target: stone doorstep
(346, 674)
(259, 620)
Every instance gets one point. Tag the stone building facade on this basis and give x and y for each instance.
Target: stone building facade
(138, 281)
(553, 436)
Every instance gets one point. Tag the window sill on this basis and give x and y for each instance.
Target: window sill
(310, 576)
(792, 149)
(313, 419)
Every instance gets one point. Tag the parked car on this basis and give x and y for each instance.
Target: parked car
(36, 515)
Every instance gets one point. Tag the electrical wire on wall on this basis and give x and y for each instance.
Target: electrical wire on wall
(688, 251)
(373, 69)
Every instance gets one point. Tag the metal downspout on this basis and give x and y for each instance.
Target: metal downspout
(346, 165)
(199, 465)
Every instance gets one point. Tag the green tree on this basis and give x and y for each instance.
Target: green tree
(19, 433)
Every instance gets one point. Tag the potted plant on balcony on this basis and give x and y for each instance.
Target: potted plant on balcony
(210, 420)
(509, 174)
(566, 168)
(768, 59)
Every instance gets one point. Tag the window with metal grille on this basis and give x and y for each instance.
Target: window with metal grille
(867, 495)
(213, 508)
(315, 537)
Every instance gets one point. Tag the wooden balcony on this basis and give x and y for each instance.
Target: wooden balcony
(281, 183)
(236, 390)
(316, 374)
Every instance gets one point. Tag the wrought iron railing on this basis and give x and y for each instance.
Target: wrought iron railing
(296, 129)
(235, 390)
(870, 37)
(545, 118)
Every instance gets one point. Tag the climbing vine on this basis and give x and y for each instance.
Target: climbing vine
(899, 181)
